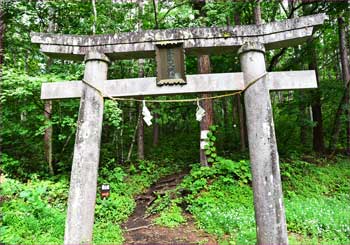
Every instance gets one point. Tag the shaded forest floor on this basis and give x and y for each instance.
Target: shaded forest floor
(140, 228)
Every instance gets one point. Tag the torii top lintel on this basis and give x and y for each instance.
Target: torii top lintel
(195, 40)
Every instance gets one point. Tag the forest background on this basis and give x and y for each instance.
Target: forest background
(37, 137)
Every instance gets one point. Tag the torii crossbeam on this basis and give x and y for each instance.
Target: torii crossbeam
(204, 83)
(250, 41)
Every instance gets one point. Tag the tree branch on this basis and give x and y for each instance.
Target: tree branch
(170, 9)
(284, 9)
(155, 8)
(276, 58)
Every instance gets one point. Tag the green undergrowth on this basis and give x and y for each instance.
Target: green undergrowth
(34, 212)
(171, 217)
(219, 197)
(221, 200)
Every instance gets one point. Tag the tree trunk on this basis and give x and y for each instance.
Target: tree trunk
(225, 113)
(48, 136)
(48, 106)
(257, 13)
(95, 16)
(141, 128)
(337, 120)
(2, 33)
(207, 120)
(155, 129)
(238, 101)
(235, 115)
(139, 118)
(155, 12)
(302, 116)
(242, 126)
(345, 75)
(140, 136)
(318, 138)
(204, 68)
(237, 19)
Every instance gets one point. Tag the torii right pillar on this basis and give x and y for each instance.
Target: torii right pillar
(270, 217)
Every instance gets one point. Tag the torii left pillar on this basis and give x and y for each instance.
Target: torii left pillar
(83, 182)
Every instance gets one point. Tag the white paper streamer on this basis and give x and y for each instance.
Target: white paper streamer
(200, 112)
(147, 117)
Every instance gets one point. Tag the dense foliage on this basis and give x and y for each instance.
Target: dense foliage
(219, 197)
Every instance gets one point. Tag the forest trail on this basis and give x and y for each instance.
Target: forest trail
(141, 228)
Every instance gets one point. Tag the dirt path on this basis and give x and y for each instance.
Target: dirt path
(139, 229)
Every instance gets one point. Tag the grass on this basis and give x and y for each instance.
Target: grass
(34, 212)
(171, 217)
(220, 198)
(316, 199)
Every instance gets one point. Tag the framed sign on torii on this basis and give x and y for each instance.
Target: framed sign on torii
(250, 41)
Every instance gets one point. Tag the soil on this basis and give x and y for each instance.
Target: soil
(140, 227)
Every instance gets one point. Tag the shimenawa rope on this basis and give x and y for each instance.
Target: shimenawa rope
(104, 94)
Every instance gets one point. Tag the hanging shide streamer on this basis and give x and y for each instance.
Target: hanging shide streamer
(147, 117)
(200, 113)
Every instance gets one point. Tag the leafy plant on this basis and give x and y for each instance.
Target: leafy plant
(115, 209)
(112, 114)
(171, 217)
(31, 215)
(210, 149)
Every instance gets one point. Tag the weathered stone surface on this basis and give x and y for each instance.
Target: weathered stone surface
(219, 82)
(196, 40)
(82, 192)
(267, 188)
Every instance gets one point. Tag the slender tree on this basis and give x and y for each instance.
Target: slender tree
(140, 135)
(344, 60)
(141, 124)
(207, 104)
(257, 13)
(316, 105)
(156, 127)
(48, 134)
(238, 103)
(2, 32)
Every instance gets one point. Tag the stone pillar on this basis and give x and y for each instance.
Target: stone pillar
(83, 183)
(268, 198)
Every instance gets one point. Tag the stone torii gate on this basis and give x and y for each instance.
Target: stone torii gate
(250, 41)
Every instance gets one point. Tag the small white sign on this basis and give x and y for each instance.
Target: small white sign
(203, 144)
(204, 134)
